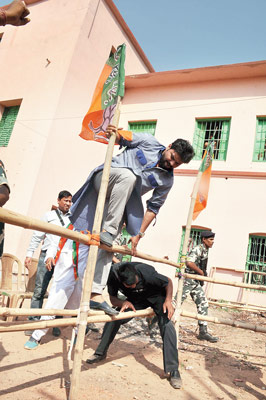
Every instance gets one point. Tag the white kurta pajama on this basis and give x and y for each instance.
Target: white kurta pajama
(65, 290)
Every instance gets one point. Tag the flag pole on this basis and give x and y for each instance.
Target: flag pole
(177, 315)
(91, 263)
(198, 192)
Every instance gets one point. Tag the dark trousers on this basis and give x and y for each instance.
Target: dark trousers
(43, 277)
(167, 330)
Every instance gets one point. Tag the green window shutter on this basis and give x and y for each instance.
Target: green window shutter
(143, 127)
(198, 140)
(259, 152)
(125, 238)
(224, 140)
(205, 130)
(7, 123)
(256, 260)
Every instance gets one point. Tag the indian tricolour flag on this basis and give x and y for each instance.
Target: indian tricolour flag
(205, 170)
(110, 86)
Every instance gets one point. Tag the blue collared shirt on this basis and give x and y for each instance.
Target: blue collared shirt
(141, 156)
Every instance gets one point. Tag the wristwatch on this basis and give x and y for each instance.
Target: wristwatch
(141, 234)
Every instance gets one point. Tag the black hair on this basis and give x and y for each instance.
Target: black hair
(127, 273)
(184, 149)
(64, 193)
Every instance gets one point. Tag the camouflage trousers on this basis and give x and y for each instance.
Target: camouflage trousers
(197, 294)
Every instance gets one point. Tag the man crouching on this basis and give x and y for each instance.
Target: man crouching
(143, 287)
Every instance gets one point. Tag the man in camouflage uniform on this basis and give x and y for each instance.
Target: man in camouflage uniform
(197, 264)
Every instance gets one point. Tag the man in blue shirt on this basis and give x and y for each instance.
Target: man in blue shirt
(145, 165)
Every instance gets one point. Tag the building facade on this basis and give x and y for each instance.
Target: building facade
(53, 64)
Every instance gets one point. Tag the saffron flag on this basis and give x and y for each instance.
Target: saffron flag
(110, 85)
(205, 168)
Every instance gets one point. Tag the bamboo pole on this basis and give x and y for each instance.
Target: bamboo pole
(14, 218)
(26, 222)
(43, 324)
(184, 255)
(92, 258)
(239, 270)
(252, 305)
(221, 282)
(19, 312)
(223, 321)
(238, 306)
(102, 317)
(23, 221)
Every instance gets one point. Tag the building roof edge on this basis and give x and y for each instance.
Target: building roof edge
(129, 33)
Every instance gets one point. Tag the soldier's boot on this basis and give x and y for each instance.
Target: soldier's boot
(205, 335)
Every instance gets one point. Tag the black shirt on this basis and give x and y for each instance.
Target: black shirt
(150, 283)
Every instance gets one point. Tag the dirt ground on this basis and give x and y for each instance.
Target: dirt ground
(234, 368)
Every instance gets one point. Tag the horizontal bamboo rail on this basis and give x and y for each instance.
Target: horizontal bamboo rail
(221, 282)
(19, 312)
(25, 222)
(244, 271)
(238, 306)
(255, 272)
(223, 321)
(24, 312)
(31, 223)
(102, 317)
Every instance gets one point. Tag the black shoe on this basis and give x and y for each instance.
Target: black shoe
(205, 335)
(104, 306)
(175, 379)
(95, 358)
(106, 238)
(56, 332)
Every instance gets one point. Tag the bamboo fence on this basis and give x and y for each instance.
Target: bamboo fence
(84, 315)
(100, 316)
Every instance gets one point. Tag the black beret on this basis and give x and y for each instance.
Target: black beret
(207, 234)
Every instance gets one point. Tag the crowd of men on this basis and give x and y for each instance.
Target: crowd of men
(145, 165)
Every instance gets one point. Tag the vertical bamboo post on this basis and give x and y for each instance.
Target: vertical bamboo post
(248, 290)
(212, 285)
(184, 255)
(91, 263)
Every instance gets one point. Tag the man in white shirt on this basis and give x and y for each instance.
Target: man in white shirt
(60, 217)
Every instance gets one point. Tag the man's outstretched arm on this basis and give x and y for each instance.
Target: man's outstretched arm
(147, 219)
(15, 14)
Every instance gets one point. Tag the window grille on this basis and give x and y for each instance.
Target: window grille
(125, 236)
(259, 153)
(256, 260)
(194, 238)
(7, 123)
(143, 127)
(208, 129)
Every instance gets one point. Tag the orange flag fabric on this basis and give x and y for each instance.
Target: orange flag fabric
(111, 84)
(205, 168)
